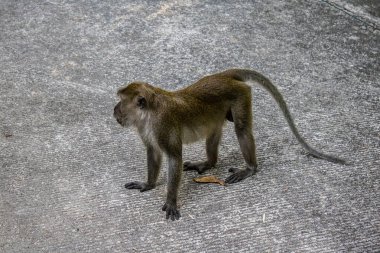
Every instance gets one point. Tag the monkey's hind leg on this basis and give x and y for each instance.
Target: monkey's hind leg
(242, 116)
(212, 143)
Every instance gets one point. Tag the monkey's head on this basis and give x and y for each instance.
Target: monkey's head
(133, 103)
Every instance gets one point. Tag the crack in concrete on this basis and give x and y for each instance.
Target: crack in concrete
(352, 14)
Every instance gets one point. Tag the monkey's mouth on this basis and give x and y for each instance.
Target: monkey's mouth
(119, 121)
(123, 121)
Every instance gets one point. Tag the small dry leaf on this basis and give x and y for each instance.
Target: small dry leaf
(209, 179)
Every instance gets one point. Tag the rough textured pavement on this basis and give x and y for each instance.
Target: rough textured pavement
(64, 160)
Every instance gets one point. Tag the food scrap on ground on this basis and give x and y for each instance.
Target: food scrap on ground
(209, 179)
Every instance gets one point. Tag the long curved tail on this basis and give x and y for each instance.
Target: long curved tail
(251, 75)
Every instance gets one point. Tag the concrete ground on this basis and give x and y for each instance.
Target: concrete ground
(64, 160)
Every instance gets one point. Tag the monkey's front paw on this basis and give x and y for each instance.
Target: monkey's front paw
(171, 212)
(238, 175)
(139, 185)
(198, 166)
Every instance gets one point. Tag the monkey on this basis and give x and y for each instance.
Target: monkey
(166, 120)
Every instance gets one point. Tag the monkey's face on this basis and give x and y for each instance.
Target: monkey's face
(131, 104)
(120, 114)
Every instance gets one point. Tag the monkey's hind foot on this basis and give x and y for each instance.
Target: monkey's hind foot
(171, 212)
(198, 166)
(139, 185)
(239, 175)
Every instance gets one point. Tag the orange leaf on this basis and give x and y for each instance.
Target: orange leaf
(209, 179)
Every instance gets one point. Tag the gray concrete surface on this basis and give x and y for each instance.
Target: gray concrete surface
(64, 160)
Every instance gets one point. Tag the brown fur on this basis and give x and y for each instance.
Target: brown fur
(166, 120)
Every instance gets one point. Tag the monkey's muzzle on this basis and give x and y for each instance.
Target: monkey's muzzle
(117, 114)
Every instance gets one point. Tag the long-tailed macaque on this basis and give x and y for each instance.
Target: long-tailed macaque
(166, 120)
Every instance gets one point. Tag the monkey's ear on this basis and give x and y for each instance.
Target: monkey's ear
(141, 102)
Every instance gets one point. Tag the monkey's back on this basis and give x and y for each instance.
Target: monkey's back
(215, 89)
